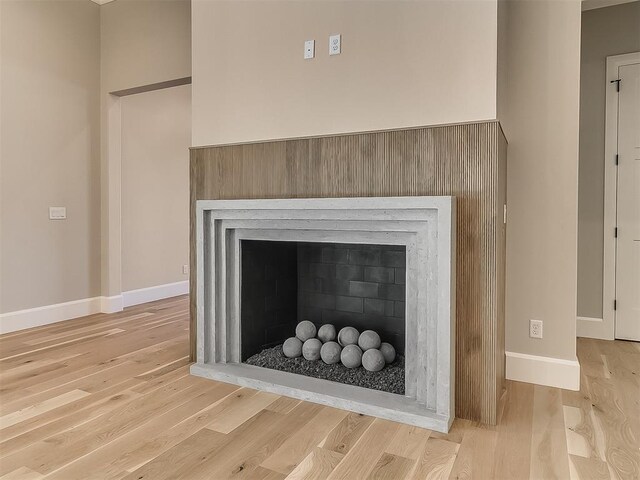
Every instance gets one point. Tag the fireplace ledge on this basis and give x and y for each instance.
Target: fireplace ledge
(339, 395)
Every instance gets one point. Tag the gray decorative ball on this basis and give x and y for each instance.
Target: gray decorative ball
(348, 336)
(388, 352)
(351, 356)
(327, 333)
(311, 349)
(373, 360)
(305, 330)
(368, 340)
(292, 347)
(330, 353)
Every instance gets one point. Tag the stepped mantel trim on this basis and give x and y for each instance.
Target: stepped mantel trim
(424, 225)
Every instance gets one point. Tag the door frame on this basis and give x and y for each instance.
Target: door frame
(607, 329)
(113, 298)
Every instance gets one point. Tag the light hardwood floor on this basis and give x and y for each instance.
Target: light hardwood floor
(109, 397)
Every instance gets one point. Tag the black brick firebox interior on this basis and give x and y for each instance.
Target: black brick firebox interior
(344, 284)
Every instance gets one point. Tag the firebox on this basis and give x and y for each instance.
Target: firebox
(336, 285)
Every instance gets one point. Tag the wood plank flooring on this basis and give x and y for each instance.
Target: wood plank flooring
(110, 397)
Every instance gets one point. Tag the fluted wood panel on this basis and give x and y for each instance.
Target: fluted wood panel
(466, 160)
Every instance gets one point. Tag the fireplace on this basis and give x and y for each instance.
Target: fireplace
(335, 286)
(382, 264)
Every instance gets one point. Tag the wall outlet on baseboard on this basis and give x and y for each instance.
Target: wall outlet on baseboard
(535, 328)
(185, 269)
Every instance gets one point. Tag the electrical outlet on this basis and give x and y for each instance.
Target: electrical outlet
(335, 44)
(535, 328)
(185, 269)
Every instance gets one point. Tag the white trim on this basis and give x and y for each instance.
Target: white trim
(112, 235)
(151, 294)
(549, 371)
(606, 332)
(111, 304)
(588, 327)
(45, 315)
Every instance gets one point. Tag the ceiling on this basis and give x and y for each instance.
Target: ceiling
(586, 4)
(591, 4)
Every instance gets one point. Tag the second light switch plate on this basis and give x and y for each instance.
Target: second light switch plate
(309, 49)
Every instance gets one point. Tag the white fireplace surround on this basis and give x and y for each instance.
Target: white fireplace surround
(424, 225)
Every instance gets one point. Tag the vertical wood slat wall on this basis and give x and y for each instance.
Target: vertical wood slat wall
(466, 160)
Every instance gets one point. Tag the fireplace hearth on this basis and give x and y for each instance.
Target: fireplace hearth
(384, 264)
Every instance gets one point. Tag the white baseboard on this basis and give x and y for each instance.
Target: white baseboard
(48, 314)
(588, 327)
(39, 316)
(552, 372)
(151, 294)
(36, 317)
(111, 304)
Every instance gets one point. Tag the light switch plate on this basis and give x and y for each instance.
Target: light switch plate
(334, 44)
(309, 49)
(57, 213)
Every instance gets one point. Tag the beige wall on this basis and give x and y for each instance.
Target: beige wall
(156, 134)
(50, 79)
(502, 46)
(142, 42)
(605, 31)
(541, 125)
(450, 62)
(403, 63)
(59, 61)
(440, 68)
